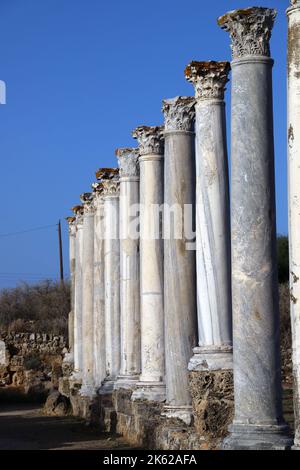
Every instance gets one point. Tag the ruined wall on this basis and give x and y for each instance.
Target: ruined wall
(31, 362)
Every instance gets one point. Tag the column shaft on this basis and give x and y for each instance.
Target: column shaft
(258, 421)
(212, 218)
(151, 383)
(112, 282)
(77, 375)
(179, 257)
(99, 311)
(88, 385)
(129, 270)
(293, 149)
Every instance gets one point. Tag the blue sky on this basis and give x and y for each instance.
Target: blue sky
(80, 75)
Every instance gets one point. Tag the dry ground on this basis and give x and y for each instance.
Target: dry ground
(23, 426)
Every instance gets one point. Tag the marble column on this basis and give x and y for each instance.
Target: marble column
(151, 384)
(258, 421)
(88, 383)
(129, 269)
(212, 219)
(69, 357)
(293, 149)
(112, 281)
(98, 309)
(77, 373)
(179, 259)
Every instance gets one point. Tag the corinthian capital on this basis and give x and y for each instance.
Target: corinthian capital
(150, 139)
(72, 227)
(128, 161)
(208, 78)
(111, 187)
(87, 202)
(295, 2)
(250, 30)
(78, 211)
(106, 173)
(179, 113)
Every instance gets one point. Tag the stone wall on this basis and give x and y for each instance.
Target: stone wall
(31, 363)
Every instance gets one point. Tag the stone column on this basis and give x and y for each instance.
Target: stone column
(179, 259)
(99, 313)
(88, 383)
(293, 15)
(77, 374)
(258, 421)
(129, 269)
(214, 352)
(69, 358)
(151, 384)
(112, 281)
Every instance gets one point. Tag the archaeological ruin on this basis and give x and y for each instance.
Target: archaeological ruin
(174, 322)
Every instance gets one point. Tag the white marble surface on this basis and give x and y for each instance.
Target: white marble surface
(78, 301)
(179, 262)
(112, 280)
(151, 382)
(129, 271)
(88, 384)
(99, 311)
(293, 149)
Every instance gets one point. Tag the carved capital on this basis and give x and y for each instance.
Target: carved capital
(179, 113)
(250, 30)
(208, 78)
(77, 209)
(150, 139)
(72, 225)
(106, 173)
(295, 2)
(87, 202)
(111, 187)
(128, 161)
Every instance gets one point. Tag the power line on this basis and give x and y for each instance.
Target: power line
(2, 235)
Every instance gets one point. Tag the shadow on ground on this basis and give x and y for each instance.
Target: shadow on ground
(23, 426)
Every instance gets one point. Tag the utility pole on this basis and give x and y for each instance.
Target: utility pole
(61, 264)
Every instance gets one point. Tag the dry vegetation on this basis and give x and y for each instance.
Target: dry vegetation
(42, 307)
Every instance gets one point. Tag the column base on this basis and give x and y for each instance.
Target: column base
(87, 391)
(150, 391)
(183, 412)
(211, 358)
(253, 437)
(108, 386)
(126, 381)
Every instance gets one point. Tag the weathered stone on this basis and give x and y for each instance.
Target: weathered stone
(56, 404)
(213, 402)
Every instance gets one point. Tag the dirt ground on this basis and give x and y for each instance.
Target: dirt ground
(23, 426)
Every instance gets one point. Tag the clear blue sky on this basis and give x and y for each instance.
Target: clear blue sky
(80, 75)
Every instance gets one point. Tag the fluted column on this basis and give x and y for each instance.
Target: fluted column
(212, 218)
(77, 373)
(98, 309)
(293, 148)
(129, 268)
(179, 253)
(88, 383)
(72, 257)
(258, 421)
(151, 384)
(112, 281)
